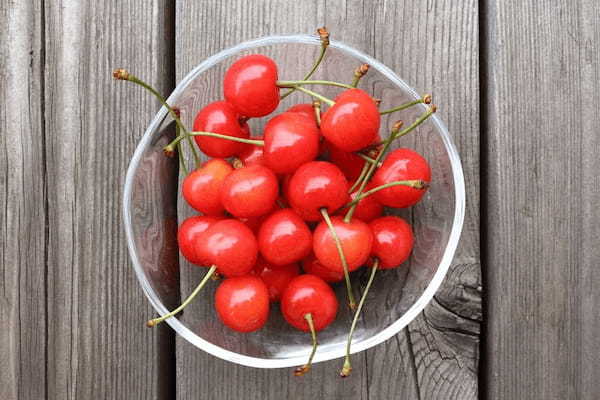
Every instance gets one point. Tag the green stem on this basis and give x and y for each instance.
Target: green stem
(138, 81)
(313, 333)
(324, 99)
(179, 138)
(206, 278)
(305, 82)
(366, 158)
(363, 172)
(416, 184)
(425, 99)
(324, 45)
(347, 368)
(317, 108)
(417, 122)
(179, 151)
(338, 245)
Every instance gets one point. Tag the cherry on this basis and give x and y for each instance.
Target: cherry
(400, 165)
(309, 304)
(220, 117)
(291, 139)
(202, 187)
(356, 240)
(304, 109)
(316, 185)
(393, 241)
(275, 277)
(284, 238)
(349, 163)
(352, 123)
(188, 233)
(252, 155)
(230, 245)
(249, 191)
(368, 208)
(242, 303)
(250, 85)
(311, 265)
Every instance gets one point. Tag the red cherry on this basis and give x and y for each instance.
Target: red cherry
(275, 277)
(352, 123)
(202, 187)
(250, 85)
(230, 245)
(349, 163)
(356, 239)
(284, 238)
(250, 191)
(291, 139)
(304, 109)
(252, 155)
(309, 294)
(311, 265)
(242, 303)
(393, 241)
(367, 209)
(188, 233)
(220, 117)
(401, 165)
(316, 185)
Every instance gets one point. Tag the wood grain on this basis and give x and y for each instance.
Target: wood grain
(22, 203)
(543, 85)
(433, 45)
(97, 345)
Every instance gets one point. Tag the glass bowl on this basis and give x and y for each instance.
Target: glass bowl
(152, 207)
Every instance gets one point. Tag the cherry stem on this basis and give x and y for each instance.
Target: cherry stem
(367, 158)
(313, 333)
(416, 184)
(338, 244)
(347, 367)
(363, 172)
(119, 74)
(359, 73)
(170, 146)
(206, 278)
(425, 99)
(305, 82)
(324, 35)
(324, 99)
(417, 122)
(317, 108)
(179, 151)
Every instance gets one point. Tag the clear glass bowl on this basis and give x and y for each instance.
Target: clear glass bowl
(151, 202)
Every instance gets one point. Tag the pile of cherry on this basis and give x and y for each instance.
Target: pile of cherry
(309, 194)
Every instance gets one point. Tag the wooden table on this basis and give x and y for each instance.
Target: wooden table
(518, 84)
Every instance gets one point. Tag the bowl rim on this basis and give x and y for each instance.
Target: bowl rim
(324, 354)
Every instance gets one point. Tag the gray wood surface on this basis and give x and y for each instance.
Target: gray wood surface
(72, 312)
(434, 46)
(543, 125)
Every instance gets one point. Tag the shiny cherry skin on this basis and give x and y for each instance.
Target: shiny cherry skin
(284, 238)
(220, 117)
(304, 109)
(316, 185)
(254, 223)
(189, 232)
(393, 241)
(367, 209)
(242, 303)
(309, 294)
(311, 265)
(356, 238)
(352, 123)
(202, 187)
(291, 139)
(230, 245)
(252, 155)
(250, 191)
(400, 165)
(275, 277)
(250, 85)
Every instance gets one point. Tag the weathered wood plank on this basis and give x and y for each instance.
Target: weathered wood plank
(98, 346)
(22, 203)
(543, 68)
(433, 46)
